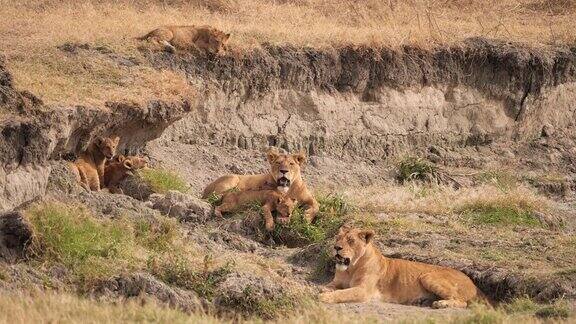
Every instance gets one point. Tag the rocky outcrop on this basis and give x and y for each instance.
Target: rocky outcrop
(31, 134)
(183, 207)
(15, 236)
(374, 103)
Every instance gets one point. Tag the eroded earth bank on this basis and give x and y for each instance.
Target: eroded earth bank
(460, 156)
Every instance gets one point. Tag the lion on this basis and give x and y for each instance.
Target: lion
(284, 176)
(205, 38)
(363, 273)
(118, 169)
(89, 167)
(270, 199)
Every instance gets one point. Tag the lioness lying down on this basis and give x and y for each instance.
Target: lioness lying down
(270, 199)
(187, 38)
(363, 273)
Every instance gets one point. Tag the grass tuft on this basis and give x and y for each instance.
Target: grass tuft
(332, 215)
(500, 212)
(413, 168)
(162, 180)
(89, 247)
(176, 269)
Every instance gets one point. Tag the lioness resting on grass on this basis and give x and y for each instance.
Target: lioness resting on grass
(269, 199)
(89, 167)
(284, 176)
(119, 168)
(205, 38)
(363, 273)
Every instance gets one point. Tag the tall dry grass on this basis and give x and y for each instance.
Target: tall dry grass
(31, 30)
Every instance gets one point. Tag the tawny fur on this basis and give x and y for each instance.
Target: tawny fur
(289, 163)
(119, 168)
(186, 38)
(89, 167)
(371, 275)
(270, 199)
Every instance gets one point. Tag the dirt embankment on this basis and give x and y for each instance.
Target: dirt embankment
(32, 134)
(375, 103)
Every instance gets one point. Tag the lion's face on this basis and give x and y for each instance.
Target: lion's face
(285, 206)
(285, 168)
(136, 162)
(350, 246)
(107, 145)
(214, 41)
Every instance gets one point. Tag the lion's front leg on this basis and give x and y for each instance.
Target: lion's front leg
(312, 208)
(350, 295)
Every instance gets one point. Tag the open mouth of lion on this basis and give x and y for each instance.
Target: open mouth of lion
(283, 182)
(342, 261)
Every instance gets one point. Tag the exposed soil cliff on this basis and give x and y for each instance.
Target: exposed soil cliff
(376, 102)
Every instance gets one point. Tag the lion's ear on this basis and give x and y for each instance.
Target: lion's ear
(343, 229)
(300, 157)
(128, 164)
(366, 235)
(272, 154)
(120, 158)
(99, 141)
(116, 140)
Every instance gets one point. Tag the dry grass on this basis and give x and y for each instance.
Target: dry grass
(436, 200)
(31, 30)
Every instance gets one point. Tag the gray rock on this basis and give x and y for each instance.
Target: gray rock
(15, 234)
(182, 206)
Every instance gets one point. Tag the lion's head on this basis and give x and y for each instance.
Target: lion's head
(285, 168)
(215, 41)
(350, 246)
(136, 162)
(285, 205)
(107, 145)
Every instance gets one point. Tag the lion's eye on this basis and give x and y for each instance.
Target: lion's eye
(291, 163)
(350, 240)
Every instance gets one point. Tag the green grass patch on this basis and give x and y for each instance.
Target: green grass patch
(162, 180)
(413, 168)
(500, 212)
(176, 269)
(69, 235)
(526, 306)
(157, 235)
(332, 214)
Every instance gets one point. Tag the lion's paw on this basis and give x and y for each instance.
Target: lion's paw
(326, 297)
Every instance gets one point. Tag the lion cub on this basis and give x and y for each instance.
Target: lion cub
(270, 200)
(89, 167)
(363, 273)
(118, 169)
(206, 38)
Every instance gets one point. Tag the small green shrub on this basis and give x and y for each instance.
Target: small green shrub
(70, 235)
(554, 311)
(176, 270)
(412, 168)
(265, 308)
(156, 234)
(161, 180)
(331, 216)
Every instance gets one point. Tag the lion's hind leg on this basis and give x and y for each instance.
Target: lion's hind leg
(446, 290)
